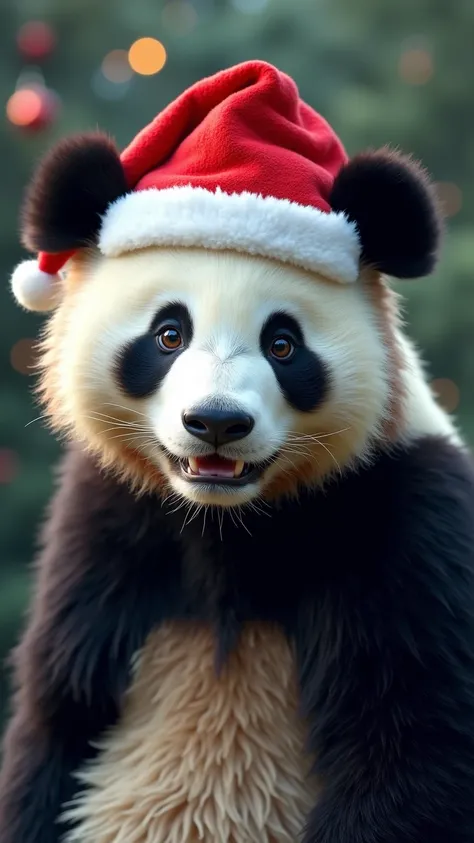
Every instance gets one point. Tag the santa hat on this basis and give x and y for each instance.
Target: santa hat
(238, 162)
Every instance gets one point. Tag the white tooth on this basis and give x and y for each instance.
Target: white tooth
(193, 465)
(239, 467)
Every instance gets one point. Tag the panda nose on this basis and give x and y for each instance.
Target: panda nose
(217, 427)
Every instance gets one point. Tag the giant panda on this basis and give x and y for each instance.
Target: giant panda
(253, 618)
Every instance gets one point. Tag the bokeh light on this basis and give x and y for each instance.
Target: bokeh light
(179, 16)
(450, 197)
(446, 393)
(107, 90)
(9, 465)
(416, 66)
(36, 40)
(23, 356)
(147, 56)
(33, 108)
(24, 107)
(31, 77)
(116, 68)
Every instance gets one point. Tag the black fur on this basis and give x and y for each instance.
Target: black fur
(142, 365)
(98, 596)
(303, 378)
(72, 187)
(379, 607)
(390, 198)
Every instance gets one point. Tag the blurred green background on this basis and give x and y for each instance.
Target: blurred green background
(397, 71)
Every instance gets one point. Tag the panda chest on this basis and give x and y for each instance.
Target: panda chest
(201, 757)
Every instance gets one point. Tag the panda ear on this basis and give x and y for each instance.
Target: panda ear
(71, 189)
(393, 203)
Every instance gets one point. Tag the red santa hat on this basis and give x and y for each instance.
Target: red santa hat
(238, 161)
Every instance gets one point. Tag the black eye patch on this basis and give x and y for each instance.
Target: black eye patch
(141, 365)
(303, 378)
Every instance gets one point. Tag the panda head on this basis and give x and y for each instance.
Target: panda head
(219, 375)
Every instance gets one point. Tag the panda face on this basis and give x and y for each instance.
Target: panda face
(232, 376)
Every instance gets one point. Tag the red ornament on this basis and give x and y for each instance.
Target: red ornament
(35, 40)
(9, 465)
(32, 109)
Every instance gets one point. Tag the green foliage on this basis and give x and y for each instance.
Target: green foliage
(345, 57)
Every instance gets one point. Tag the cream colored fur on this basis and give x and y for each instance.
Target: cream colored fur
(109, 302)
(196, 757)
(424, 415)
(201, 758)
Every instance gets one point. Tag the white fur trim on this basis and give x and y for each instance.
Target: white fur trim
(34, 289)
(424, 415)
(276, 228)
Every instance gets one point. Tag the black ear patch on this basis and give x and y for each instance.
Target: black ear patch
(393, 203)
(69, 192)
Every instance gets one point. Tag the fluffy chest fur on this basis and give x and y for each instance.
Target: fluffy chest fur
(196, 756)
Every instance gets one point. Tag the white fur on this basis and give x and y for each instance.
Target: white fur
(424, 416)
(229, 297)
(276, 228)
(34, 289)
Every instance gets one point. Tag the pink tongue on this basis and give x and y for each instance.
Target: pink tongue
(215, 467)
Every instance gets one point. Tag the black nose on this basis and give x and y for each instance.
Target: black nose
(218, 427)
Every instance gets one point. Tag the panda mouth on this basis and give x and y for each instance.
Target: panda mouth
(219, 470)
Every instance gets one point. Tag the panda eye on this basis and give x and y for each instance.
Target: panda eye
(282, 348)
(169, 338)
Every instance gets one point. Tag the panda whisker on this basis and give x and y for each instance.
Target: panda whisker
(312, 456)
(124, 427)
(135, 434)
(253, 505)
(127, 432)
(180, 506)
(287, 459)
(128, 428)
(110, 417)
(314, 437)
(149, 443)
(199, 509)
(297, 451)
(239, 515)
(172, 496)
(131, 439)
(220, 519)
(119, 424)
(296, 446)
(190, 508)
(332, 457)
(127, 409)
(38, 418)
(105, 419)
(287, 471)
(141, 449)
(204, 519)
(195, 510)
(231, 514)
(284, 452)
(177, 508)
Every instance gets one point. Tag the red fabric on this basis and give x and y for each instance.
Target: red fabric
(52, 263)
(243, 129)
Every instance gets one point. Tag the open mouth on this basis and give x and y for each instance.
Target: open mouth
(217, 470)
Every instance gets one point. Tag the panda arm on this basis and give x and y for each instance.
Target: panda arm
(96, 599)
(386, 660)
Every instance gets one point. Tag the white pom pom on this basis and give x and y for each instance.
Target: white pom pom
(34, 289)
